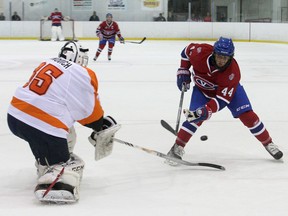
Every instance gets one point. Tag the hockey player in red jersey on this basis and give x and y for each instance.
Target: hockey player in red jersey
(216, 75)
(56, 17)
(107, 32)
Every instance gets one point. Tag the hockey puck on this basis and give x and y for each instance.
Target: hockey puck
(204, 138)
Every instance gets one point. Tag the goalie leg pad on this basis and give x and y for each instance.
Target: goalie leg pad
(53, 33)
(61, 194)
(60, 34)
(68, 184)
(73, 170)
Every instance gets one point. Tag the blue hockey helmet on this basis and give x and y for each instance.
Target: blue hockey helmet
(224, 46)
(109, 15)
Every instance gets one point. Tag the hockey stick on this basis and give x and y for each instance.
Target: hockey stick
(159, 154)
(135, 42)
(168, 127)
(180, 107)
(165, 124)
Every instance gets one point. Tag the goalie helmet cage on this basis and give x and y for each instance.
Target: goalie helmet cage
(68, 30)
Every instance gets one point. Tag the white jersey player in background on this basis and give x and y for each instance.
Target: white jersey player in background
(60, 92)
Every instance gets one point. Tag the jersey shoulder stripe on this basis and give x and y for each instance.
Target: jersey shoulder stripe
(184, 56)
(38, 113)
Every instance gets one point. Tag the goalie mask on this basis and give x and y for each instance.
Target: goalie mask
(72, 51)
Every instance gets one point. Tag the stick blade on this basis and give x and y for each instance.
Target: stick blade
(188, 163)
(168, 127)
(216, 166)
(167, 157)
(142, 40)
(136, 42)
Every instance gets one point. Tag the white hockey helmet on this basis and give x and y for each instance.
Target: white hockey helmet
(73, 51)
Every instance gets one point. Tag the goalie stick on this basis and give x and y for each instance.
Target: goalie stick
(135, 42)
(159, 154)
(165, 124)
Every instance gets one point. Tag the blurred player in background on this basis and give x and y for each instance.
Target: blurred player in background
(61, 91)
(56, 30)
(216, 75)
(107, 32)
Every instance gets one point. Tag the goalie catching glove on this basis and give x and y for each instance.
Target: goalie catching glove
(200, 114)
(44, 18)
(66, 18)
(103, 140)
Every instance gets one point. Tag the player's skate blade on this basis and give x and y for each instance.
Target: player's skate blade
(175, 152)
(274, 151)
(171, 163)
(55, 195)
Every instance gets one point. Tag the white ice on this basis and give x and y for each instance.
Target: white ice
(138, 88)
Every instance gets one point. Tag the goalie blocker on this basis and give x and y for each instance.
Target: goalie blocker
(103, 140)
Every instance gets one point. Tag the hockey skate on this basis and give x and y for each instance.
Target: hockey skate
(274, 151)
(176, 152)
(60, 193)
(109, 57)
(95, 58)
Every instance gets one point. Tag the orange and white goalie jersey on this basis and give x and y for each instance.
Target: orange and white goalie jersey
(58, 93)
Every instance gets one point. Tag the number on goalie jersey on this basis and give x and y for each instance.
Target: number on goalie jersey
(216, 76)
(60, 92)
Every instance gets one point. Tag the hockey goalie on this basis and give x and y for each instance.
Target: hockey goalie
(56, 29)
(61, 92)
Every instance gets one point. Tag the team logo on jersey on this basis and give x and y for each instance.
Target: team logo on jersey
(231, 76)
(199, 81)
(191, 50)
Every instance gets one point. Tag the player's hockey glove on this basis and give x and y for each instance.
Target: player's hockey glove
(108, 122)
(100, 36)
(122, 40)
(200, 114)
(183, 77)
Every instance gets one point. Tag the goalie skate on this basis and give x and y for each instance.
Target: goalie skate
(60, 194)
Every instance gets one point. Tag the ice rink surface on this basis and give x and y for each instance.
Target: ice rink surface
(138, 88)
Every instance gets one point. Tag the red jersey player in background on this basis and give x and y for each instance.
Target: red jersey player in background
(107, 32)
(216, 75)
(56, 29)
